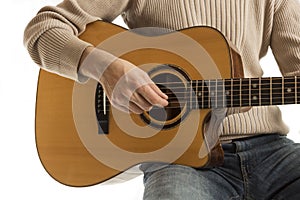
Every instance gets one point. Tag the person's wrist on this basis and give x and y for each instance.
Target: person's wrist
(94, 62)
(85, 53)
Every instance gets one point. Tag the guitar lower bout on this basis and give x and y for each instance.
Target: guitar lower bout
(82, 140)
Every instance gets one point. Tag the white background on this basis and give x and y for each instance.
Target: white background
(21, 174)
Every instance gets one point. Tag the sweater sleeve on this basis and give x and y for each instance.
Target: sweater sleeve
(285, 41)
(51, 36)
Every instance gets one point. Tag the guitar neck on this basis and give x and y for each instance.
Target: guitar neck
(241, 92)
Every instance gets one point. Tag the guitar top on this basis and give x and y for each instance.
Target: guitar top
(82, 140)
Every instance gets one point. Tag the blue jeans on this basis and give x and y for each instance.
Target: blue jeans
(262, 167)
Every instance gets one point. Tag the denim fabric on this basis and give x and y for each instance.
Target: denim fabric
(263, 167)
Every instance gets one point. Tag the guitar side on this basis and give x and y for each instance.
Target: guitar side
(60, 138)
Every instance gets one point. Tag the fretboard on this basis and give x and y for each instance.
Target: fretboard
(241, 92)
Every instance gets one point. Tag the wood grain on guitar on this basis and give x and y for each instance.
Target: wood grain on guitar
(83, 141)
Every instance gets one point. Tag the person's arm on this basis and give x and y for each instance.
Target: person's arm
(127, 87)
(51, 36)
(51, 39)
(285, 40)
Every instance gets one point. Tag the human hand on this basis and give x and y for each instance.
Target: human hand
(130, 89)
(127, 87)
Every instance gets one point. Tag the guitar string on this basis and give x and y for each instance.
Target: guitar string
(233, 93)
(237, 84)
(205, 105)
(221, 90)
(223, 93)
(244, 80)
(182, 100)
(235, 87)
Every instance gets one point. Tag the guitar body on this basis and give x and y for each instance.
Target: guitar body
(77, 150)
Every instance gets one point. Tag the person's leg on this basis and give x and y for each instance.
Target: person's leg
(180, 182)
(264, 167)
(271, 168)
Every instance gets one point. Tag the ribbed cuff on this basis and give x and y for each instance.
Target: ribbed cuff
(70, 57)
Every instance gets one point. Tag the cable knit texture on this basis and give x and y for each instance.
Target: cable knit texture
(251, 25)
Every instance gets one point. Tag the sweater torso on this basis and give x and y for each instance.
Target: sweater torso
(251, 26)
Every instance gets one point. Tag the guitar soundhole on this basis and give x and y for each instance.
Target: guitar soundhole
(173, 82)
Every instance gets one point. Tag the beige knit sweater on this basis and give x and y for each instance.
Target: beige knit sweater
(251, 25)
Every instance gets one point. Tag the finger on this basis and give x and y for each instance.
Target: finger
(141, 102)
(152, 96)
(127, 105)
(158, 91)
(135, 108)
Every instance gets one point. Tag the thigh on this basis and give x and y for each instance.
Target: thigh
(182, 182)
(277, 173)
(287, 185)
(289, 192)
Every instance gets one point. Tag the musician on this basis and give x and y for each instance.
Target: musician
(260, 161)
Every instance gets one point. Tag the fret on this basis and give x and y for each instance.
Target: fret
(220, 93)
(209, 86)
(195, 93)
(202, 93)
(250, 91)
(228, 93)
(259, 91)
(178, 92)
(205, 94)
(277, 91)
(231, 93)
(198, 94)
(236, 102)
(209, 93)
(213, 93)
(217, 100)
(255, 92)
(265, 88)
(289, 90)
(246, 92)
(221, 96)
(216, 93)
(241, 99)
(282, 91)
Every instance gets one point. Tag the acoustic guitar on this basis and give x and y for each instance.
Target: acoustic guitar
(82, 140)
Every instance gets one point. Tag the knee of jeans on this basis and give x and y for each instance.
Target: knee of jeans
(150, 168)
(173, 182)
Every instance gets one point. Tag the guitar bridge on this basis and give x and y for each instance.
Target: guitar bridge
(102, 110)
